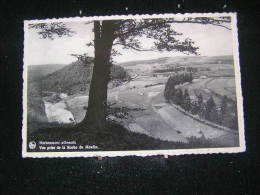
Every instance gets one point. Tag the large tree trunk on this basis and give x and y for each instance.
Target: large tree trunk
(97, 105)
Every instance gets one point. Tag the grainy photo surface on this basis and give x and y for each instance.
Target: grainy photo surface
(132, 85)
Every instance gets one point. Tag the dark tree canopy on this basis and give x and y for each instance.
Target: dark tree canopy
(161, 31)
(49, 30)
(127, 32)
(85, 58)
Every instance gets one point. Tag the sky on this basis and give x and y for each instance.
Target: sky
(211, 40)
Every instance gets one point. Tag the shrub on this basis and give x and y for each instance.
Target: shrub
(178, 98)
(186, 101)
(175, 80)
(211, 111)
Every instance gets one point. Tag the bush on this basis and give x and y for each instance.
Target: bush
(211, 111)
(174, 80)
(186, 101)
(178, 98)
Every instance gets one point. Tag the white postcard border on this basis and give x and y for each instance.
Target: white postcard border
(242, 144)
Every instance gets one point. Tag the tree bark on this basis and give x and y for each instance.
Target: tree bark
(96, 113)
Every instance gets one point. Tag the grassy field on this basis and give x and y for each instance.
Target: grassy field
(223, 86)
(216, 87)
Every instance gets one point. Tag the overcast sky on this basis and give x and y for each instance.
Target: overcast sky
(211, 40)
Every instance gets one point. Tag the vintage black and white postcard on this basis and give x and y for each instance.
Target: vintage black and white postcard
(132, 85)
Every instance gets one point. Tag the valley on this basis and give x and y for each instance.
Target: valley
(139, 104)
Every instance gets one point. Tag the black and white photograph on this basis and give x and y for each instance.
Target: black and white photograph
(132, 85)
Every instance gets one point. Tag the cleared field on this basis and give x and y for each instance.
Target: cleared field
(223, 86)
(186, 125)
(157, 128)
(216, 87)
(198, 87)
(220, 73)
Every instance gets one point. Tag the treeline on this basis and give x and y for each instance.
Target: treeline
(204, 109)
(179, 78)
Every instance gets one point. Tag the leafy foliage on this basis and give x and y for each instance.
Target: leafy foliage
(84, 58)
(48, 30)
(186, 100)
(160, 30)
(211, 111)
(175, 80)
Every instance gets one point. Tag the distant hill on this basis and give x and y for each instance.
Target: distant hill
(182, 60)
(72, 78)
(152, 61)
(198, 60)
(76, 77)
(36, 72)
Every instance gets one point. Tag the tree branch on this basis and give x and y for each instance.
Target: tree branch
(164, 22)
(132, 47)
(48, 30)
(196, 22)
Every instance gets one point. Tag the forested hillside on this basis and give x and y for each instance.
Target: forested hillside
(36, 72)
(35, 108)
(76, 77)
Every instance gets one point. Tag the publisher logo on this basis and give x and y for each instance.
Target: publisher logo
(32, 145)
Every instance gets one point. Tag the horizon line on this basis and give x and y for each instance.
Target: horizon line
(136, 60)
